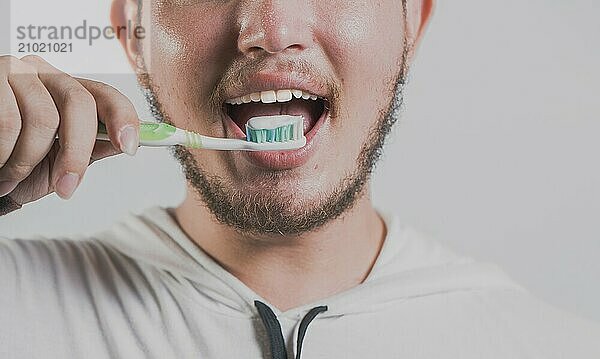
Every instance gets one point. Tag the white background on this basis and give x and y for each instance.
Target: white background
(496, 155)
(99, 58)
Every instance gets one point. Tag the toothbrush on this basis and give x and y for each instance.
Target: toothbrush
(264, 133)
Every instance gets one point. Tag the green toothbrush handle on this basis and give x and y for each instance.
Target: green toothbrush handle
(151, 133)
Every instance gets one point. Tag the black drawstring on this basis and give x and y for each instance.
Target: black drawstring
(269, 319)
(273, 327)
(304, 325)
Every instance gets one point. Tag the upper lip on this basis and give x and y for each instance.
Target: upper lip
(267, 81)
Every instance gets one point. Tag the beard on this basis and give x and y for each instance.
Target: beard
(266, 211)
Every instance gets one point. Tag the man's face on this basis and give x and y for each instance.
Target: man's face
(350, 54)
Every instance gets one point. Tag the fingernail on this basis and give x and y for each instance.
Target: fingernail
(129, 140)
(7, 186)
(67, 184)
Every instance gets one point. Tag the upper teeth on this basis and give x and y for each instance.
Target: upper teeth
(272, 96)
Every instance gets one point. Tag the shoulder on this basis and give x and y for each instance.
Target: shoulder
(530, 324)
(468, 301)
(66, 264)
(98, 252)
(61, 281)
(107, 262)
(40, 253)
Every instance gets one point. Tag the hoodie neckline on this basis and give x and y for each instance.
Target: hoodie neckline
(407, 265)
(169, 225)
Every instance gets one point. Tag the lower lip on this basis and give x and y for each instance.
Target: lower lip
(282, 160)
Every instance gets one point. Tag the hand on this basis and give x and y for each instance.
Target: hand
(37, 102)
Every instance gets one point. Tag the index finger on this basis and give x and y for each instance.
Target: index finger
(117, 113)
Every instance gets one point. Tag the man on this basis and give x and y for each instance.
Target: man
(273, 254)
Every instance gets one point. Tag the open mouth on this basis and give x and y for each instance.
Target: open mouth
(277, 102)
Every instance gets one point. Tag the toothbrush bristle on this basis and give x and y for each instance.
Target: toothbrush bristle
(291, 131)
(280, 134)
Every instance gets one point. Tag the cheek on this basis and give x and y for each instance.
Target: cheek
(190, 47)
(362, 32)
(186, 38)
(365, 42)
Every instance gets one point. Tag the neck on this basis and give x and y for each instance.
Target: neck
(291, 271)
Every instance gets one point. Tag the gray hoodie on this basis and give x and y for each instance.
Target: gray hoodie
(143, 289)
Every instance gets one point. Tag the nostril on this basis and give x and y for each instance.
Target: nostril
(269, 43)
(254, 50)
(295, 47)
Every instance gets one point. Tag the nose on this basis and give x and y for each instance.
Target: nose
(275, 26)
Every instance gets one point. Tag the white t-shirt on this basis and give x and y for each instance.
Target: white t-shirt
(143, 289)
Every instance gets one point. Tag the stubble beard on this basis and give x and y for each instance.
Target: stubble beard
(265, 211)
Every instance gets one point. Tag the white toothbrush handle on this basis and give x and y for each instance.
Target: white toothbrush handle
(101, 137)
(194, 140)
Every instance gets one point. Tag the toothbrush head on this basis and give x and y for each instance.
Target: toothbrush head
(275, 129)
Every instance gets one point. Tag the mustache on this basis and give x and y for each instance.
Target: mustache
(237, 76)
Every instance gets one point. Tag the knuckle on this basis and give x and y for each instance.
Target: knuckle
(16, 66)
(72, 150)
(10, 122)
(73, 156)
(17, 171)
(107, 89)
(6, 64)
(69, 148)
(42, 115)
(46, 121)
(31, 85)
(77, 96)
(7, 60)
(102, 89)
(32, 59)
